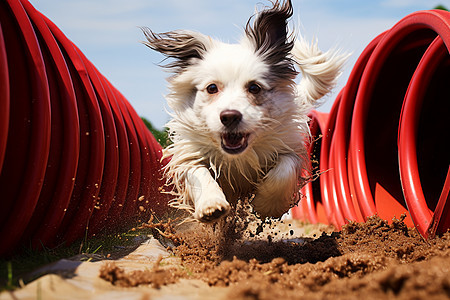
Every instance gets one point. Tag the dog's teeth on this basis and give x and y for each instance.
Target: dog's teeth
(234, 142)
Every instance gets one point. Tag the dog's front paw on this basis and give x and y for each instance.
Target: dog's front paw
(211, 209)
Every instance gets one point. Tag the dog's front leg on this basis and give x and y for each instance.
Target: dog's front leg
(279, 189)
(209, 200)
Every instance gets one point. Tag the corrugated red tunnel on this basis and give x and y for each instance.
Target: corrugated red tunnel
(384, 146)
(74, 155)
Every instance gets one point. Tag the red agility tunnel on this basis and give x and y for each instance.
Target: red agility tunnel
(74, 155)
(386, 151)
(311, 208)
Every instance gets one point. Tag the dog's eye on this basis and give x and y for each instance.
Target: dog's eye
(212, 88)
(253, 88)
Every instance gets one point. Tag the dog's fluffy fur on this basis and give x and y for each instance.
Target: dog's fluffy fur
(239, 120)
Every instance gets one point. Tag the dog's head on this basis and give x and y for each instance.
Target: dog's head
(236, 92)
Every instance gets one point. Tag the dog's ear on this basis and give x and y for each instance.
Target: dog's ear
(185, 47)
(270, 26)
(269, 35)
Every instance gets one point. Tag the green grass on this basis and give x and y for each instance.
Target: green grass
(442, 7)
(161, 136)
(14, 269)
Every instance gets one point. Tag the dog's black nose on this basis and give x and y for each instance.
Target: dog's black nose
(230, 118)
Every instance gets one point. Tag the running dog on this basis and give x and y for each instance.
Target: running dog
(239, 121)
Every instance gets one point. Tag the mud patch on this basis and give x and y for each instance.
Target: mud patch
(266, 260)
(155, 277)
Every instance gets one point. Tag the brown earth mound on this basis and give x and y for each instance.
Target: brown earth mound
(372, 260)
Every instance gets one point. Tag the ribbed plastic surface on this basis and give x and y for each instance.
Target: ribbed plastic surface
(75, 158)
(384, 147)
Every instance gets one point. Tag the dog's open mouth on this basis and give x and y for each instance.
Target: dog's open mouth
(234, 142)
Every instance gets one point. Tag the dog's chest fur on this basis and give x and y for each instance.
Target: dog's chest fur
(236, 185)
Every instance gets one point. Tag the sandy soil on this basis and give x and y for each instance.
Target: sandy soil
(247, 259)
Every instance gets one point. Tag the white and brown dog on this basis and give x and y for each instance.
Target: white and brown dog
(239, 120)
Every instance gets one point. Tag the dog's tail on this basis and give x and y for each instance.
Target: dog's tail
(320, 70)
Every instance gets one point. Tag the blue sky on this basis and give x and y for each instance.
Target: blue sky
(108, 34)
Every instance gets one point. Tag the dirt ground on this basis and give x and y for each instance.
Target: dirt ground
(243, 258)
